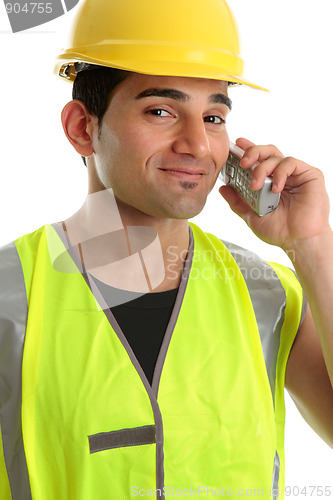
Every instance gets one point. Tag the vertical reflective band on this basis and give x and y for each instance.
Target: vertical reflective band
(267, 294)
(276, 474)
(13, 315)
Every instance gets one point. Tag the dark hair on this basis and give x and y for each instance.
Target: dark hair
(93, 86)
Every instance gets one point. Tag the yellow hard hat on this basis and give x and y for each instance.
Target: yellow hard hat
(192, 38)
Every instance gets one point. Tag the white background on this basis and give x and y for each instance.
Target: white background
(287, 46)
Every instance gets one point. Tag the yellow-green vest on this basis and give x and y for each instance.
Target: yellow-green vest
(85, 424)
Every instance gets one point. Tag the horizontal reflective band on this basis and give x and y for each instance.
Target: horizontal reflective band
(124, 437)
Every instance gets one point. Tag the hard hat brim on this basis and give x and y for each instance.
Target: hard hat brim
(190, 68)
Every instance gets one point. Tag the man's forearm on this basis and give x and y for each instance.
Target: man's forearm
(313, 262)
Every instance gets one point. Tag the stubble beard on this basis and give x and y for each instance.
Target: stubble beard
(188, 185)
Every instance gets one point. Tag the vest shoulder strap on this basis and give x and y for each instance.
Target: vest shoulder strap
(13, 317)
(269, 286)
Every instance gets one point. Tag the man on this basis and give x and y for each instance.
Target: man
(191, 401)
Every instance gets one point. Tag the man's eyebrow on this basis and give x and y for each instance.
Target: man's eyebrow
(178, 95)
(221, 99)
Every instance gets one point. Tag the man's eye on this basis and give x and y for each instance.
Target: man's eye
(159, 112)
(216, 120)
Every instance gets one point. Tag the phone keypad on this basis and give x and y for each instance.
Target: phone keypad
(262, 201)
(240, 178)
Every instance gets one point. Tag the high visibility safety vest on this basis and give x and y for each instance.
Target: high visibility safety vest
(78, 417)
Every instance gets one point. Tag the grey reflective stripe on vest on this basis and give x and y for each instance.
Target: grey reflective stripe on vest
(13, 316)
(268, 298)
(135, 436)
(276, 473)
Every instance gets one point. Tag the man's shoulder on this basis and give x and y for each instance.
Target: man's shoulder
(241, 254)
(12, 287)
(11, 249)
(27, 236)
(11, 272)
(256, 271)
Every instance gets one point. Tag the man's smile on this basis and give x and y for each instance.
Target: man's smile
(184, 173)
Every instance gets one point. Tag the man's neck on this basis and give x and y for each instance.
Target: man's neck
(126, 248)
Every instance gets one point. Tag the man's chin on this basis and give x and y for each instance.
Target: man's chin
(188, 213)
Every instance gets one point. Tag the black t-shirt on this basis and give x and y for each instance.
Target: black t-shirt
(143, 320)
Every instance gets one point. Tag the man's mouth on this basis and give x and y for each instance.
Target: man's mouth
(184, 173)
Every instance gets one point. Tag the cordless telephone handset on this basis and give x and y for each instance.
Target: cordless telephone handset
(232, 174)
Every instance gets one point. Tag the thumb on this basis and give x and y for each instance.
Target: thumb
(236, 203)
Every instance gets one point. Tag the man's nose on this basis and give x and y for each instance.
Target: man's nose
(192, 139)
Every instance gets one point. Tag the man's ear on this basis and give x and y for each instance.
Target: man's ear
(78, 125)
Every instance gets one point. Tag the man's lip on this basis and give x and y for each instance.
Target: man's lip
(185, 175)
(184, 170)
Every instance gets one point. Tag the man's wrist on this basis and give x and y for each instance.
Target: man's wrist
(312, 251)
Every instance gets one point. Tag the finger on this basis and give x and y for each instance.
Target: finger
(292, 173)
(259, 154)
(243, 143)
(265, 169)
(289, 171)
